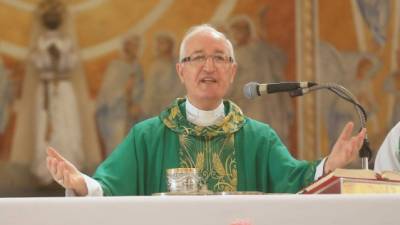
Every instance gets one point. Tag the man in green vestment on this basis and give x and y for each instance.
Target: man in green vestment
(203, 131)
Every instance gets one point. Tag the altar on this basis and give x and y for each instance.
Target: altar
(283, 209)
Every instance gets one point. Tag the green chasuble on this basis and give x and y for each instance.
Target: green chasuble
(239, 154)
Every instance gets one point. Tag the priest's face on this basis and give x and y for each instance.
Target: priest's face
(207, 70)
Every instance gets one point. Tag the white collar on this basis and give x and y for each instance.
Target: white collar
(204, 118)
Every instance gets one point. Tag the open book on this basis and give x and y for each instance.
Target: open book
(364, 176)
(389, 175)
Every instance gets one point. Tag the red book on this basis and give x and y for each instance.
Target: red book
(355, 181)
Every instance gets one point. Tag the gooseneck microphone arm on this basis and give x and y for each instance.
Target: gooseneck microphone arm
(365, 152)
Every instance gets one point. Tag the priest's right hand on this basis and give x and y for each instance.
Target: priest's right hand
(65, 173)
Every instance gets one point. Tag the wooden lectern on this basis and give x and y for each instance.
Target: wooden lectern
(351, 181)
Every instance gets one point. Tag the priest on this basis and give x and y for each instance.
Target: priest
(203, 131)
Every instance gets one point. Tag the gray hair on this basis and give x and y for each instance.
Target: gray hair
(204, 28)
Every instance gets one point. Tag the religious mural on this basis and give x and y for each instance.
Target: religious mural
(363, 58)
(119, 102)
(11, 74)
(263, 62)
(391, 85)
(6, 96)
(57, 119)
(162, 83)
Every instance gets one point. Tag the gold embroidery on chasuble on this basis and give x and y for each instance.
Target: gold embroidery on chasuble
(209, 149)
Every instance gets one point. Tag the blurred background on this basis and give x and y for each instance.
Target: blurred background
(77, 74)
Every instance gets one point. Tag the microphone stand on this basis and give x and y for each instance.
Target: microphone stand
(365, 153)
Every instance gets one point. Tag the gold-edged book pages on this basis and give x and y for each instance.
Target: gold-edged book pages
(390, 175)
(355, 181)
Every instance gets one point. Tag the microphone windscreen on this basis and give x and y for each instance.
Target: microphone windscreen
(250, 90)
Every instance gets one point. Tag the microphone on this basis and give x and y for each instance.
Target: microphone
(253, 89)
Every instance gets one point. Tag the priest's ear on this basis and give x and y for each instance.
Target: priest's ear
(179, 71)
(232, 71)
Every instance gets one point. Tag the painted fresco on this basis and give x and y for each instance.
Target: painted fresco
(56, 114)
(358, 48)
(124, 72)
(260, 61)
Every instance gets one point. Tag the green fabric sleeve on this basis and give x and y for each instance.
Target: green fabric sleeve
(138, 165)
(266, 165)
(287, 174)
(118, 173)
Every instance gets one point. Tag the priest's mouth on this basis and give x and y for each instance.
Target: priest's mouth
(208, 80)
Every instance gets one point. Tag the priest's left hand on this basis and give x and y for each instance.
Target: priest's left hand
(345, 149)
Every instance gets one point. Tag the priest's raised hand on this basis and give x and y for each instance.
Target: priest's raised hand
(345, 149)
(65, 173)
